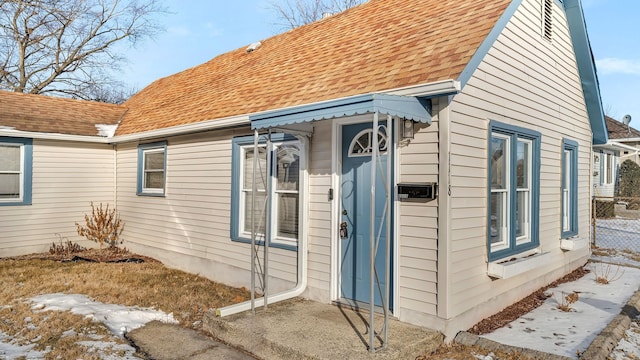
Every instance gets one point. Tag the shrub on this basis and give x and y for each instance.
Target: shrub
(65, 248)
(102, 226)
(629, 179)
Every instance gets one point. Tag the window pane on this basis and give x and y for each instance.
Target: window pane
(288, 215)
(9, 186)
(522, 214)
(498, 163)
(566, 209)
(288, 167)
(609, 170)
(9, 158)
(567, 169)
(259, 212)
(261, 173)
(154, 180)
(522, 165)
(154, 160)
(498, 222)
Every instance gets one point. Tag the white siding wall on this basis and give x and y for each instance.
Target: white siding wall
(600, 188)
(67, 176)
(319, 227)
(530, 82)
(189, 228)
(418, 227)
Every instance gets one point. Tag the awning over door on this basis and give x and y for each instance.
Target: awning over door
(408, 107)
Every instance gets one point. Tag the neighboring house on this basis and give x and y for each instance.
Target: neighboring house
(623, 144)
(500, 96)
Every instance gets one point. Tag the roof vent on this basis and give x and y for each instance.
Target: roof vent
(547, 19)
(327, 14)
(254, 46)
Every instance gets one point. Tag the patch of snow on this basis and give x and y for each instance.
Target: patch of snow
(118, 318)
(102, 346)
(106, 130)
(10, 350)
(551, 330)
(629, 345)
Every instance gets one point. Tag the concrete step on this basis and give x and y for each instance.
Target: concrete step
(301, 329)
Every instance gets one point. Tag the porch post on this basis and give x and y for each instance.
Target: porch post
(254, 189)
(372, 232)
(389, 189)
(267, 235)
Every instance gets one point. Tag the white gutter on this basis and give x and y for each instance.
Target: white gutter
(53, 136)
(301, 284)
(183, 129)
(438, 88)
(634, 139)
(614, 145)
(170, 131)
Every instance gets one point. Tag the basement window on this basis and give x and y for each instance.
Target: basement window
(547, 19)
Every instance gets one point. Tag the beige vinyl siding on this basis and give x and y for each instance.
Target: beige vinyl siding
(530, 82)
(418, 226)
(600, 188)
(319, 225)
(194, 217)
(67, 176)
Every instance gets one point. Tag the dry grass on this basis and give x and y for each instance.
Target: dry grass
(147, 284)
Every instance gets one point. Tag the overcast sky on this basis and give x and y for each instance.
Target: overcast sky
(198, 30)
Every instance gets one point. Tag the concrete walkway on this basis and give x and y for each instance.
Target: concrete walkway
(300, 329)
(160, 341)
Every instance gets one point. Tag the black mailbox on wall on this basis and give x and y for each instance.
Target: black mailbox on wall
(417, 191)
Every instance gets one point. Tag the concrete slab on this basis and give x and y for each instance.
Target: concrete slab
(301, 329)
(160, 341)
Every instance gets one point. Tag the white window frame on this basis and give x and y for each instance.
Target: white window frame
(143, 150)
(505, 195)
(566, 189)
(276, 193)
(608, 168)
(513, 244)
(20, 173)
(368, 151)
(526, 237)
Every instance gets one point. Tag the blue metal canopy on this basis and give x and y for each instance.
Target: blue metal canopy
(409, 107)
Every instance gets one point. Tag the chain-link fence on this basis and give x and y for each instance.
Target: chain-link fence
(616, 226)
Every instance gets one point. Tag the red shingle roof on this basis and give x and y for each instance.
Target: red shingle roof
(618, 130)
(46, 114)
(379, 45)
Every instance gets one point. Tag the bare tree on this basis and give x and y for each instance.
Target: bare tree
(294, 13)
(69, 47)
(116, 94)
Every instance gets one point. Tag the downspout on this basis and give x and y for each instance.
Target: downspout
(301, 283)
(115, 176)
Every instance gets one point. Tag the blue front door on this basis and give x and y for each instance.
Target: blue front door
(356, 213)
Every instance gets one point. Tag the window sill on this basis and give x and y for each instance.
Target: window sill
(151, 194)
(510, 268)
(272, 244)
(574, 243)
(21, 203)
